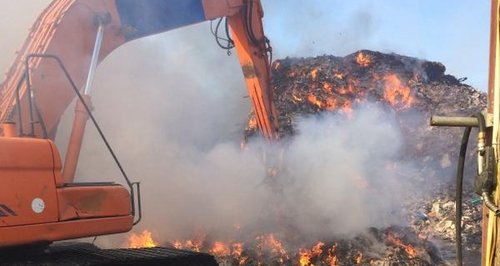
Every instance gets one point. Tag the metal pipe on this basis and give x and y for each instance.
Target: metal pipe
(30, 101)
(490, 204)
(95, 57)
(18, 103)
(454, 121)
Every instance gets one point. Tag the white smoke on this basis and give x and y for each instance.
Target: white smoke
(334, 178)
(17, 17)
(343, 180)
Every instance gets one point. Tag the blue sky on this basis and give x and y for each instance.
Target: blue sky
(455, 33)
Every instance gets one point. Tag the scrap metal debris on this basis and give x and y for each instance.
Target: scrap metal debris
(414, 90)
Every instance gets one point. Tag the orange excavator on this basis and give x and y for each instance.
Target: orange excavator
(40, 201)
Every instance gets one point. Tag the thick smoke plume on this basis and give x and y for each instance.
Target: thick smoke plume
(335, 178)
(342, 171)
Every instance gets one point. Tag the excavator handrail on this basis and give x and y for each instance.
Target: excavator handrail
(139, 204)
(94, 121)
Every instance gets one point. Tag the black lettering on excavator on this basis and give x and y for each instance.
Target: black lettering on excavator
(6, 211)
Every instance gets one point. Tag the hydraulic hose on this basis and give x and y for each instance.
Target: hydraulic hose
(460, 178)
(458, 205)
(484, 183)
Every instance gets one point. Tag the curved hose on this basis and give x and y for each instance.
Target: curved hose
(460, 178)
(458, 205)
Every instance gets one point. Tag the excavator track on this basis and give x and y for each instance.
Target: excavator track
(76, 254)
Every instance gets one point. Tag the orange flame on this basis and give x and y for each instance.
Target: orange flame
(144, 240)
(343, 90)
(191, 244)
(338, 75)
(314, 73)
(237, 252)
(237, 249)
(194, 244)
(177, 244)
(359, 258)
(332, 258)
(350, 88)
(220, 249)
(397, 94)
(311, 98)
(327, 87)
(412, 253)
(305, 258)
(331, 104)
(252, 122)
(363, 60)
(269, 242)
(296, 99)
(305, 255)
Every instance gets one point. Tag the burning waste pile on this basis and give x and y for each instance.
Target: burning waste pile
(363, 179)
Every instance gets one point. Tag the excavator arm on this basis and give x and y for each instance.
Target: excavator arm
(68, 28)
(40, 203)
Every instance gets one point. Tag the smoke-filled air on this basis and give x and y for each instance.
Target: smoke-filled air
(340, 171)
(174, 109)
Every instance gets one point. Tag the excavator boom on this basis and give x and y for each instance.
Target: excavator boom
(68, 28)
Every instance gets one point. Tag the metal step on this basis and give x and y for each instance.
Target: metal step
(76, 254)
